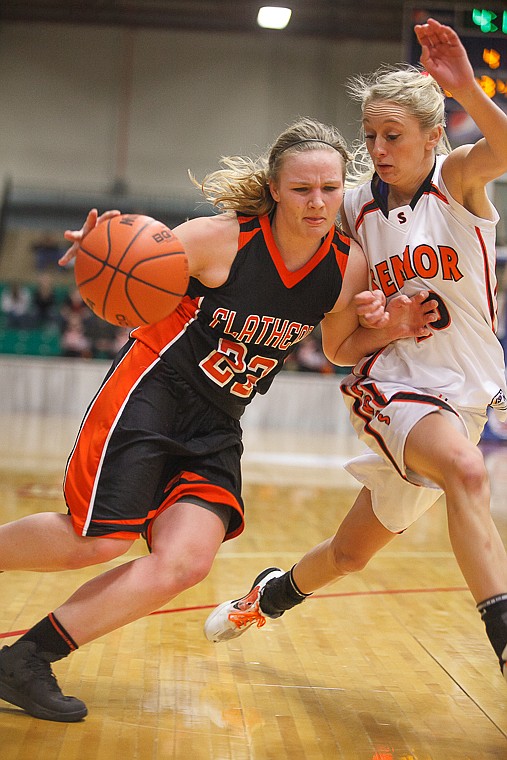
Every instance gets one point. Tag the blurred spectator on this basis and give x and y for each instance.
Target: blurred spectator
(74, 304)
(46, 252)
(102, 337)
(74, 342)
(15, 303)
(309, 356)
(84, 334)
(44, 301)
(74, 315)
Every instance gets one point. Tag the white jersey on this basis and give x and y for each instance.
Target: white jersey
(437, 245)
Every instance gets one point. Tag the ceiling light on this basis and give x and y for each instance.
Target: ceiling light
(270, 17)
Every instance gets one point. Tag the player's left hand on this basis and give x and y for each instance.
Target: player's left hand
(76, 236)
(371, 308)
(409, 317)
(443, 56)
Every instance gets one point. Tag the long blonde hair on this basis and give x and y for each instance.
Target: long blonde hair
(243, 183)
(408, 86)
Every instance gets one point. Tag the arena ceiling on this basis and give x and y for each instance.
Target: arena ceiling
(367, 20)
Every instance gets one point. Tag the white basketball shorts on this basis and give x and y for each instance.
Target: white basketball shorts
(383, 414)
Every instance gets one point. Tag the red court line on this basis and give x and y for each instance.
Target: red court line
(380, 592)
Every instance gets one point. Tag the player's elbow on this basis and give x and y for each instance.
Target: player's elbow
(344, 355)
(334, 351)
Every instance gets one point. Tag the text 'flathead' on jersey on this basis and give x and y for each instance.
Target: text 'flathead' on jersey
(268, 331)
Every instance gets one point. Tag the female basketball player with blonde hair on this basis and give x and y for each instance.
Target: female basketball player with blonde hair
(158, 452)
(423, 218)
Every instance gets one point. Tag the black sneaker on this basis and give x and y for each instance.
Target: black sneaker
(26, 680)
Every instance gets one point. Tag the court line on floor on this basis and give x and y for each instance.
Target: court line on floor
(378, 592)
(295, 459)
(410, 554)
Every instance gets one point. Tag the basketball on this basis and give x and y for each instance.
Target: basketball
(131, 270)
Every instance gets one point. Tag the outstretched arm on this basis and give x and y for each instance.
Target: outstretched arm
(210, 243)
(445, 58)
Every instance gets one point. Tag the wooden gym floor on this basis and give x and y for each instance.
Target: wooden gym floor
(390, 664)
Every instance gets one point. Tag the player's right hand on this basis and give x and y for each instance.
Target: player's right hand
(413, 316)
(444, 56)
(76, 236)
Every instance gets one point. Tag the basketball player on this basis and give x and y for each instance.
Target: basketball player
(158, 452)
(424, 221)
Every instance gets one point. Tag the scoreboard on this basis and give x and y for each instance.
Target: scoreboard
(483, 32)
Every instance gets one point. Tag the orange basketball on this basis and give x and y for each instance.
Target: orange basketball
(131, 270)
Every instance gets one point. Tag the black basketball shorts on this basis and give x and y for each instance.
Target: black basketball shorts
(147, 441)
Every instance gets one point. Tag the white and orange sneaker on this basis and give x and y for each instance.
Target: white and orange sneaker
(230, 619)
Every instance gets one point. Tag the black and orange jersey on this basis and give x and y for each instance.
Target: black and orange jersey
(229, 342)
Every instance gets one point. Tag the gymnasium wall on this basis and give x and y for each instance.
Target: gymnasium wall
(52, 387)
(84, 106)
